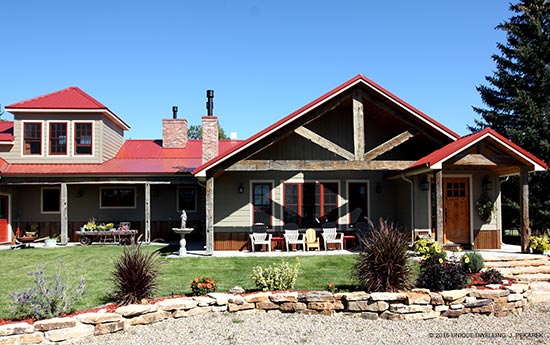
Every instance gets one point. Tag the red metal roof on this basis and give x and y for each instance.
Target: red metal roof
(6, 131)
(439, 156)
(136, 157)
(289, 118)
(69, 98)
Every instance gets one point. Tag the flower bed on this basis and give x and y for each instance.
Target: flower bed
(418, 304)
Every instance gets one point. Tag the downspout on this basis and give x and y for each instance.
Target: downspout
(412, 204)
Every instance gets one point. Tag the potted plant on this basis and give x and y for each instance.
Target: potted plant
(51, 241)
(539, 243)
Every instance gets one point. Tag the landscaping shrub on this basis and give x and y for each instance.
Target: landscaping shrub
(472, 262)
(437, 274)
(135, 275)
(276, 277)
(202, 286)
(47, 298)
(492, 276)
(383, 263)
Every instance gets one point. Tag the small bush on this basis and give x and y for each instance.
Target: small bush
(47, 298)
(276, 277)
(472, 262)
(426, 247)
(331, 287)
(383, 264)
(437, 274)
(135, 275)
(202, 286)
(492, 276)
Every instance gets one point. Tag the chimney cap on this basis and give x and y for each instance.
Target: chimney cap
(210, 102)
(175, 111)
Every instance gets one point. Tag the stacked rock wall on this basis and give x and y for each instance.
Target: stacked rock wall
(418, 304)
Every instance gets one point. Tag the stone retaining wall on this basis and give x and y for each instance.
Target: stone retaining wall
(418, 304)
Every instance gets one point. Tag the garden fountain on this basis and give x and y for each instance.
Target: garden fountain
(182, 231)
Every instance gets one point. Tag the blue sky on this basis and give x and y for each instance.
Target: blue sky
(264, 59)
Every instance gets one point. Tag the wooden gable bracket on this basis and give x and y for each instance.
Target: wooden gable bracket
(389, 145)
(324, 142)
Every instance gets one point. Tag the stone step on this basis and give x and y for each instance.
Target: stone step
(513, 271)
(534, 277)
(516, 263)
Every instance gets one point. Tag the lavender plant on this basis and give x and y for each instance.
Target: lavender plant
(47, 298)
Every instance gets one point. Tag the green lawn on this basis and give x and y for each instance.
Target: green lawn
(95, 264)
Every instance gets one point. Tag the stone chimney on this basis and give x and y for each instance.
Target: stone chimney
(174, 131)
(210, 130)
(210, 137)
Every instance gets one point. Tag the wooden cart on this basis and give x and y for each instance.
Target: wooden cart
(123, 237)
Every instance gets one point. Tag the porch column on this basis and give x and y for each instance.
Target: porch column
(525, 231)
(358, 126)
(210, 216)
(64, 215)
(147, 213)
(439, 206)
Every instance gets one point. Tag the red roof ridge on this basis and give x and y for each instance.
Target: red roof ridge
(359, 77)
(76, 89)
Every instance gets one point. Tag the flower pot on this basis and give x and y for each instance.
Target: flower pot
(50, 242)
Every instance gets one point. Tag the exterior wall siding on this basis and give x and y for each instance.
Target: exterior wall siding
(111, 138)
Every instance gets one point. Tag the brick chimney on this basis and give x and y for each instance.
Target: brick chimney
(210, 130)
(174, 131)
(210, 135)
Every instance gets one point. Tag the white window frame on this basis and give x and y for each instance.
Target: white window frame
(69, 138)
(73, 138)
(42, 138)
(117, 207)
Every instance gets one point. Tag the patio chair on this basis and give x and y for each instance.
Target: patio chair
(259, 236)
(331, 236)
(312, 241)
(294, 237)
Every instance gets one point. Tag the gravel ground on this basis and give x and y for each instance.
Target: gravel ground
(277, 328)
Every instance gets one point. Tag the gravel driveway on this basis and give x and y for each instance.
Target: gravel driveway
(277, 328)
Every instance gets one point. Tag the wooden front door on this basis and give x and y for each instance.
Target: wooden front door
(456, 210)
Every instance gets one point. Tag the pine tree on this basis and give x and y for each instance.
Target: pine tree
(518, 101)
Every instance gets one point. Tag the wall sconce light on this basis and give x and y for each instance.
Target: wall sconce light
(241, 189)
(378, 188)
(486, 185)
(425, 186)
(79, 193)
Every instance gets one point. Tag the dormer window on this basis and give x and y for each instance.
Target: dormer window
(83, 138)
(58, 138)
(32, 138)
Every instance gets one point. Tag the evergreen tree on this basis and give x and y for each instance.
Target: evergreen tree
(518, 102)
(195, 132)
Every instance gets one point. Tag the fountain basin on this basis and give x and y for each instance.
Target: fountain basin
(182, 232)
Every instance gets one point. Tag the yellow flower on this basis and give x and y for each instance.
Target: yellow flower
(440, 260)
(458, 249)
(466, 259)
(438, 250)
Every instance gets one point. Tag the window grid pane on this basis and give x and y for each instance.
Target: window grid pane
(33, 139)
(83, 139)
(58, 138)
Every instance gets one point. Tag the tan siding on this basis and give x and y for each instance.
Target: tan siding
(112, 138)
(14, 155)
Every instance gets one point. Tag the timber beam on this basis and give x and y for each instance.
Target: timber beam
(389, 145)
(309, 165)
(324, 143)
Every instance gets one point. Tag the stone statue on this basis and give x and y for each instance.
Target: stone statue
(183, 219)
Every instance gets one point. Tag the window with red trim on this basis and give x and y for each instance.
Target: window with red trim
(82, 138)
(58, 138)
(309, 204)
(261, 201)
(358, 200)
(32, 138)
